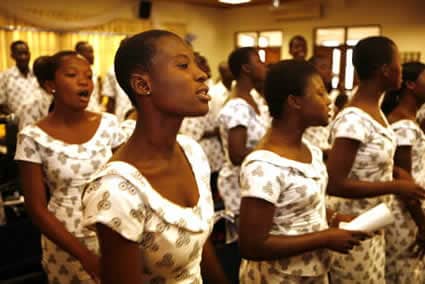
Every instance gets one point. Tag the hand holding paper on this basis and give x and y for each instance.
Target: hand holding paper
(371, 220)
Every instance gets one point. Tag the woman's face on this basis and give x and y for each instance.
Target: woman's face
(394, 74)
(73, 82)
(177, 84)
(258, 68)
(315, 102)
(419, 87)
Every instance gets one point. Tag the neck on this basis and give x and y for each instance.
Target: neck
(67, 116)
(243, 86)
(227, 84)
(369, 92)
(408, 105)
(156, 136)
(23, 70)
(288, 132)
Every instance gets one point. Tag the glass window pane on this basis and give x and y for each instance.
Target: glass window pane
(354, 34)
(273, 38)
(246, 39)
(330, 36)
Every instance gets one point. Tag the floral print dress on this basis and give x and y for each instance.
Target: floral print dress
(66, 170)
(170, 237)
(374, 163)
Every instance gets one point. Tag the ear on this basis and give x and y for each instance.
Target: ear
(410, 85)
(141, 84)
(50, 87)
(294, 102)
(245, 68)
(385, 70)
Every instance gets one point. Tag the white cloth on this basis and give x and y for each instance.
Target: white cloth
(402, 266)
(66, 170)
(236, 112)
(112, 89)
(171, 237)
(318, 136)
(35, 110)
(16, 90)
(94, 101)
(297, 190)
(219, 95)
(373, 162)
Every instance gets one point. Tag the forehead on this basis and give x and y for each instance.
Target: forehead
(21, 47)
(170, 46)
(73, 61)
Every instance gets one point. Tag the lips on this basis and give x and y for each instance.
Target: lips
(84, 96)
(203, 94)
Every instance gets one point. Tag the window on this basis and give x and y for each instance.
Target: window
(337, 44)
(268, 44)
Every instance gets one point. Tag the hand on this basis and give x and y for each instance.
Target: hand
(91, 264)
(344, 218)
(410, 190)
(342, 240)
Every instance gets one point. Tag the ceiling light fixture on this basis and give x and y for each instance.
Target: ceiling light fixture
(234, 2)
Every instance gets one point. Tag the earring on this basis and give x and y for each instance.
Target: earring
(53, 91)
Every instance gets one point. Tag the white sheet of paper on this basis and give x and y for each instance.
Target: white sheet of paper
(371, 220)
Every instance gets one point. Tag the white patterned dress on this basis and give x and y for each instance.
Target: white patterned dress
(318, 136)
(170, 237)
(66, 170)
(374, 163)
(35, 110)
(402, 265)
(297, 190)
(236, 112)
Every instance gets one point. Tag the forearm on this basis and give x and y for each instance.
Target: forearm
(210, 265)
(55, 231)
(277, 247)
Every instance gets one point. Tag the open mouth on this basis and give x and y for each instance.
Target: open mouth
(84, 94)
(203, 93)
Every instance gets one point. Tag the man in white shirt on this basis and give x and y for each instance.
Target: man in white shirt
(18, 83)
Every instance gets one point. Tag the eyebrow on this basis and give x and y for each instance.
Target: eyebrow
(182, 55)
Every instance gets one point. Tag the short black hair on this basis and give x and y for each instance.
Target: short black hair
(285, 78)
(40, 67)
(55, 61)
(239, 57)
(136, 52)
(297, 37)
(80, 45)
(411, 73)
(370, 54)
(341, 100)
(14, 44)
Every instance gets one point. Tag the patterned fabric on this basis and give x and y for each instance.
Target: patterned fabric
(219, 95)
(195, 127)
(420, 114)
(262, 107)
(318, 136)
(127, 127)
(112, 89)
(236, 112)
(402, 266)
(35, 110)
(66, 170)
(373, 162)
(171, 237)
(16, 90)
(297, 190)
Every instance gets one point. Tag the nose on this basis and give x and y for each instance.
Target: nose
(201, 76)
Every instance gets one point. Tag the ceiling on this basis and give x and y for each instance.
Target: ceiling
(215, 3)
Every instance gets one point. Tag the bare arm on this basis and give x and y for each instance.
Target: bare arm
(403, 160)
(121, 261)
(210, 266)
(256, 243)
(36, 205)
(237, 144)
(340, 161)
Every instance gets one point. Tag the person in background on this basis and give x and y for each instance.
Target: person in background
(298, 47)
(56, 157)
(403, 264)
(340, 102)
(35, 110)
(360, 164)
(85, 49)
(151, 205)
(18, 83)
